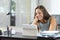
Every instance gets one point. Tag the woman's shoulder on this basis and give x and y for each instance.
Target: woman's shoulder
(52, 18)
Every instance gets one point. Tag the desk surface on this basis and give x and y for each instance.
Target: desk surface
(19, 35)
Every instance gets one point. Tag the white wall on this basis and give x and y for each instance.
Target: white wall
(4, 9)
(34, 3)
(52, 6)
(22, 12)
(55, 7)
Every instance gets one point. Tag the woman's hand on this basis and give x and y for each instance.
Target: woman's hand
(35, 20)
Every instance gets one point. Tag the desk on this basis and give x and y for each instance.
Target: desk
(44, 38)
(28, 38)
(55, 37)
(48, 38)
(18, 36)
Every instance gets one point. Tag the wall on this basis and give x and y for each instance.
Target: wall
(34, 3)
(52, 6)
(4, 9)
(55, 7)
(22, 12)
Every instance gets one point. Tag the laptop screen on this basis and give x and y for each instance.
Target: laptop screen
(28, 26)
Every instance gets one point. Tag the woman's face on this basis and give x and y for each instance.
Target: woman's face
(39, 14)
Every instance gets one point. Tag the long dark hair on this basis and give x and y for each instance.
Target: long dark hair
(45, 13)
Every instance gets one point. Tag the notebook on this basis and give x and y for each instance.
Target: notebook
(48, 33)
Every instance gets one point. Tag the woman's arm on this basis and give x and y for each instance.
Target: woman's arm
(34, 22)
(53, 24)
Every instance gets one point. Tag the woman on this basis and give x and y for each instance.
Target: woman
(43, 20)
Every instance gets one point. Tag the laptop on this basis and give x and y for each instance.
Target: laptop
(29, 30)
(29, 26)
